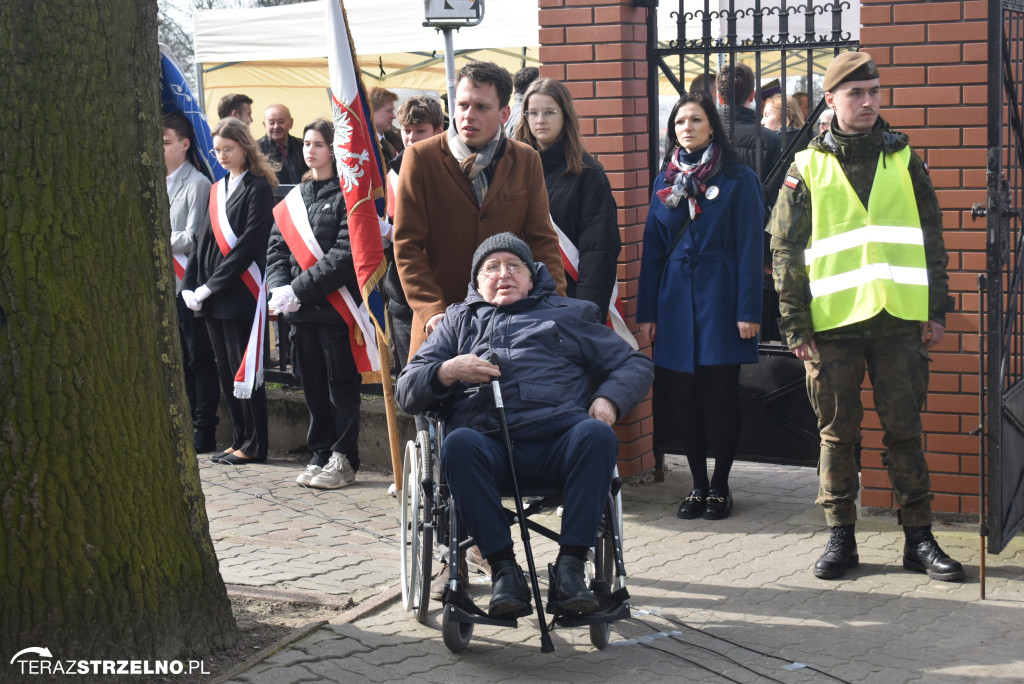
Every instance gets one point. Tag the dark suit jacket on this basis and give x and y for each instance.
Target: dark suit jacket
(391, 145)
(293, 166)
(249, 210)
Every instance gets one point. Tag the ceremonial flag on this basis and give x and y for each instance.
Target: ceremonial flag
(571, 262)
(360, 167)
(176, 96)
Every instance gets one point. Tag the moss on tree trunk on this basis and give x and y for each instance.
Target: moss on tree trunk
(104, 544)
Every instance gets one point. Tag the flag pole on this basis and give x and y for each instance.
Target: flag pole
(390, 411)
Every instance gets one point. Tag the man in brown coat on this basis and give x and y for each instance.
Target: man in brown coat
(462, 187)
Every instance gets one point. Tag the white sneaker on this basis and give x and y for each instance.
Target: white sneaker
(336, 474)
(308, 474)
(392, 490)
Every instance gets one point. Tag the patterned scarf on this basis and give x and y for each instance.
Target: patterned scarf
(474, 163)
(689, 180)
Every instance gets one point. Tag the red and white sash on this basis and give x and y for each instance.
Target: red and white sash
(180, 263)
(293, 222)
(392, 191)
(571, 263)
(250, 373)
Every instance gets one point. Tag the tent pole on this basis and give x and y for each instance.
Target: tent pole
(449, 70)
(200, 95)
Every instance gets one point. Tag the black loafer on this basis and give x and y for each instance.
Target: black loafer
(509, 591)
(567, 590)
(692, 506)
(235, 459)
(717, 507)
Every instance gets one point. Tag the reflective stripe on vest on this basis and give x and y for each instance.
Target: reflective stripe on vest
(860, 261)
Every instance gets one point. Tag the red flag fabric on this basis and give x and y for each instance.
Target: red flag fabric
(357, 153)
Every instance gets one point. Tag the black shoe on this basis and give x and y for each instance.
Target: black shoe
(567, 589)
(204, 441)
(717, 507)
(921, 553)
(509, 590)
(840, 554)
(236, 459)
(692, 506)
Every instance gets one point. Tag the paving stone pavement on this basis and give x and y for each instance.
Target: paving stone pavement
(730, 600)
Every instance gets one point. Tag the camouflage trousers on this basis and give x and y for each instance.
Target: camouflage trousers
(898, 368)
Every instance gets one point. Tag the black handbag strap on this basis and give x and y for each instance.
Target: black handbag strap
(679, 235)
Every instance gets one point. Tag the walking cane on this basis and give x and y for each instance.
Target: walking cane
(545, 639)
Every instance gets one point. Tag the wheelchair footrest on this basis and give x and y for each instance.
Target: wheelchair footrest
(460, 608)
(612, 614)
(456, 614)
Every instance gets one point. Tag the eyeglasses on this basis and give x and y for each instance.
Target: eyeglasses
(492, 269)
(533, 114)
(224, 150)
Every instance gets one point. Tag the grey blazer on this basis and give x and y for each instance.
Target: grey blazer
(189, 196)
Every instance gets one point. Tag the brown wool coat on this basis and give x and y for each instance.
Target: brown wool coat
(438, 224)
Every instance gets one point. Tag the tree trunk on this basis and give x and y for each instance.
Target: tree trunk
(105, 549)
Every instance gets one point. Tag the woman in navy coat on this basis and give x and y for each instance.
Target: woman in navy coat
(699, 297)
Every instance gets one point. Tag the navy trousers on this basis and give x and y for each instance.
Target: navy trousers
(575, 452)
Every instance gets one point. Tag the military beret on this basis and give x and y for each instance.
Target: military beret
(849, 66)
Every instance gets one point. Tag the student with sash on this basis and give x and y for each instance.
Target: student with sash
(188, 191)
(225, 282)
(579, 195)
(312, 281)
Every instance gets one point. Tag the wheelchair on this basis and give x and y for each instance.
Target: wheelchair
(432, 530)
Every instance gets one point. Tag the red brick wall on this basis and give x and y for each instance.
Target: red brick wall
(931, 56)
(598, 49)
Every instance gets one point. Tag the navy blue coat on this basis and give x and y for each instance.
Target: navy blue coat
(555, 357)
(710, 281)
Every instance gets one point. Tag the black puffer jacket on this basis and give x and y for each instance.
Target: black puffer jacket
(555, 359)
(583, 207)
(325, 207)
(744, 138)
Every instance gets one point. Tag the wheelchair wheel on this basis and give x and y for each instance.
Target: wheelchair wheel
(412, 584)
(599, 635)
(425, 526)
(456, 634)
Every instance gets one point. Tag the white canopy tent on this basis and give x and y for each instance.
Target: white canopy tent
(276, 54)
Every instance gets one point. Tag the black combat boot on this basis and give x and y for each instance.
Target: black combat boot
(921, 553)
(840, 554)
(509, 591)
(568, 589)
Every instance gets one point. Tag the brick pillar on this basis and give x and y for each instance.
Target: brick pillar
(932, 61)
(597, 48)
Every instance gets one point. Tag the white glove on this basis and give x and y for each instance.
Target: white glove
(189, 297)
(385, 232)
(202, 292)
(283, 300)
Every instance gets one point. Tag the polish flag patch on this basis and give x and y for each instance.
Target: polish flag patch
(792, 182)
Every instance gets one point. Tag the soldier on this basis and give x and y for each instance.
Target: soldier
(860, 267)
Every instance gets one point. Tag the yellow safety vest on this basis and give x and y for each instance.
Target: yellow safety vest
(860, 261)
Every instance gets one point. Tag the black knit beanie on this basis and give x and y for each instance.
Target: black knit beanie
(503, 242)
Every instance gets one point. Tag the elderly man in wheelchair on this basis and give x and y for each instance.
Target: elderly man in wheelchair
(565, 378)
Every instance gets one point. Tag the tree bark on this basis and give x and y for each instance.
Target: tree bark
(105, 550)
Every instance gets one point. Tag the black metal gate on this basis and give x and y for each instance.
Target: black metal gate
(780, 39)
(1004, 355)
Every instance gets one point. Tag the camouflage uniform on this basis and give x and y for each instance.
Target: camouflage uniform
(891, 348)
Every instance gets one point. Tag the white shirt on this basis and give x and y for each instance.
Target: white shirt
(173, 176)
(233, 183)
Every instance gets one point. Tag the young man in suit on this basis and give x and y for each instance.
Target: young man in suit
(189, 193)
